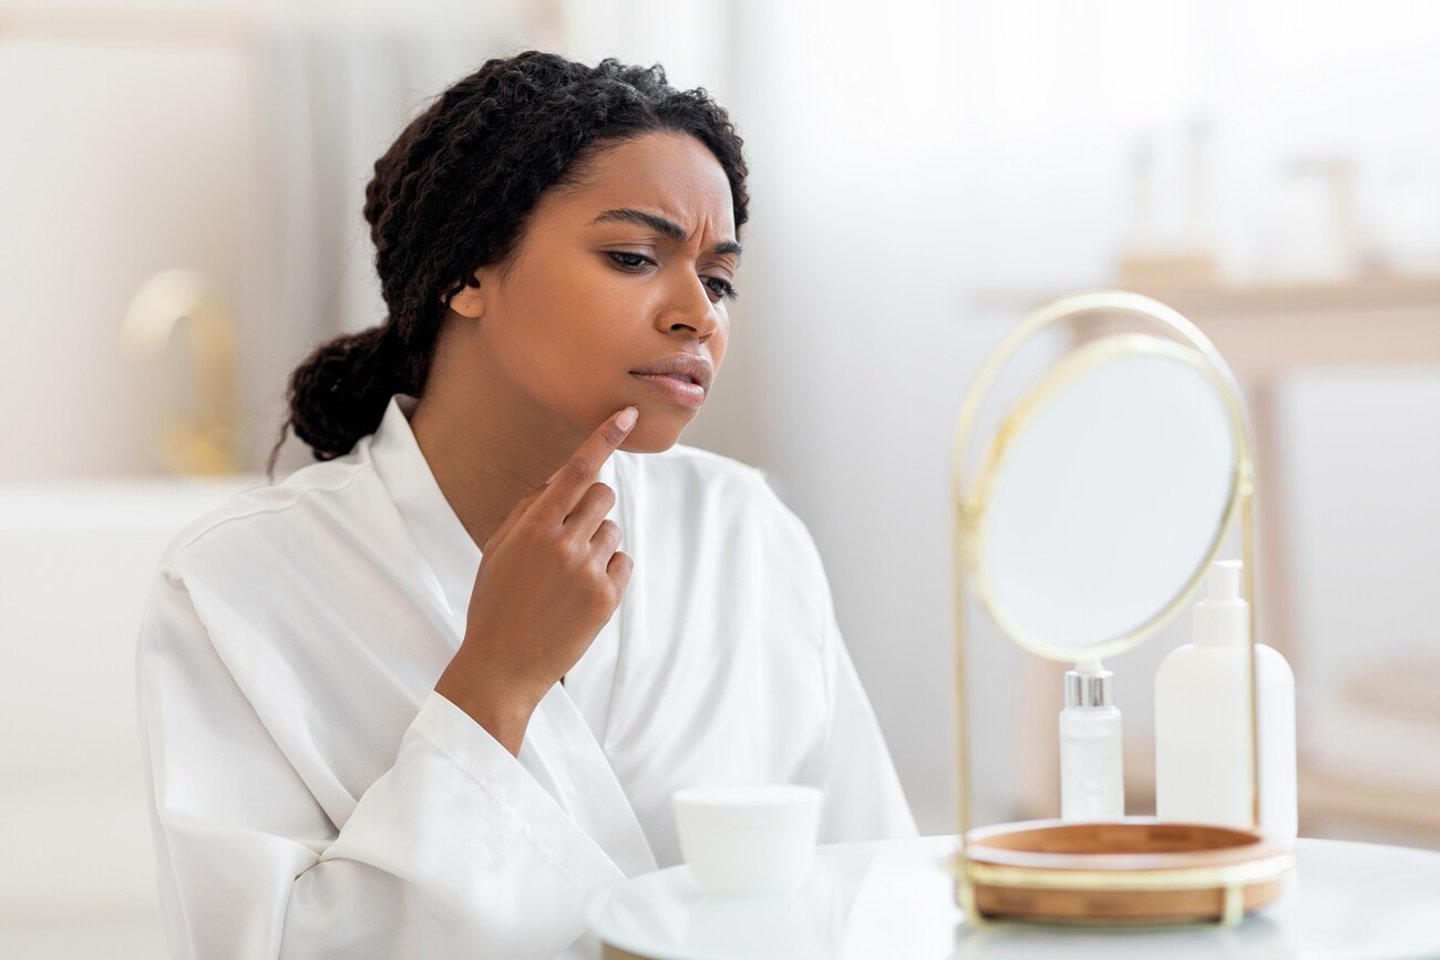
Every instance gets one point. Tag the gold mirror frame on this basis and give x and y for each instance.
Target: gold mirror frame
(1073, 365)
(1134, 870)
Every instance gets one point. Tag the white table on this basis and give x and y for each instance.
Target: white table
(893, 900)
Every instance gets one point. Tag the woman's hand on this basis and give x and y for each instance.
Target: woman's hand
(549, 579)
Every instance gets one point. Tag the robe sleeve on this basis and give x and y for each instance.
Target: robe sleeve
(454, 851)
(863, 797)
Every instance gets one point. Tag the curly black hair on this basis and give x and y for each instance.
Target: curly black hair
(454, 193)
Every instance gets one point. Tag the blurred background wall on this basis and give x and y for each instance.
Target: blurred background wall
(923, 175)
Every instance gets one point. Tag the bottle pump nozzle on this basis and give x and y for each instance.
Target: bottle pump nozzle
(1223, 580)
(1222, 617)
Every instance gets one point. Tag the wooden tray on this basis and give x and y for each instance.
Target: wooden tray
(1133, 871)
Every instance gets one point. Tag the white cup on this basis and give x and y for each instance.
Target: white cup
(748, 841)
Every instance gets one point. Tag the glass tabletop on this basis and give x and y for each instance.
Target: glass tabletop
(894, 898)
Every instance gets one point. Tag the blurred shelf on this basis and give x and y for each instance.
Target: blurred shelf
(1329, 795)
(1265, 329)
(1381, 291)
(1325, 796)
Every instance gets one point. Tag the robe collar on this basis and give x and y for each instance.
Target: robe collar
(433, 524)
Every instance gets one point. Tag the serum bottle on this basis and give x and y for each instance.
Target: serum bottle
(1092, 784)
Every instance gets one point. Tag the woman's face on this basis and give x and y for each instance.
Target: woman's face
(623, 273)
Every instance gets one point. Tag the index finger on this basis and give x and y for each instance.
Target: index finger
(573, 479)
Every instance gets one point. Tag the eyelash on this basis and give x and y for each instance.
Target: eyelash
(727, 289)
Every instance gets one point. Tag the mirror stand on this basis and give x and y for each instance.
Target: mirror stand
(1134, 870)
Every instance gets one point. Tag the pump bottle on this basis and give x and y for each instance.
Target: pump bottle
(1202, 720)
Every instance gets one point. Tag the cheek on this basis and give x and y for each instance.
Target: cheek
(601, 307)
(580, 317)
(719, 343)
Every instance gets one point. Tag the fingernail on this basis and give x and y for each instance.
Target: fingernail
(627, 418)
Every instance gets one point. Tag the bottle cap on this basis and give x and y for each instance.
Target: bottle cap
(1089, 685)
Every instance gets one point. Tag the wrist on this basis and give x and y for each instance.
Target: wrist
(504, 713)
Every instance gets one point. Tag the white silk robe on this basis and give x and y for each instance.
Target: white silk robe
(314, 797)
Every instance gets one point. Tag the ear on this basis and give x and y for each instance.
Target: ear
(469, 301)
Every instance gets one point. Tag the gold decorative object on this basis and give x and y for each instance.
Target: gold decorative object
(1168, 394)
(205, 444)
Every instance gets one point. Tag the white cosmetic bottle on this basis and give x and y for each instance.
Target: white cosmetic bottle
(1202, 711)
(1092, 782)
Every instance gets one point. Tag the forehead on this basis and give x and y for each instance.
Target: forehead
(671, 174)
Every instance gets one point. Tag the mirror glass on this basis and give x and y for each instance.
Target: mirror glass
(1108, 491)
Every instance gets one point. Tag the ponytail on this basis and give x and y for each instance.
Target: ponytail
(339, 394)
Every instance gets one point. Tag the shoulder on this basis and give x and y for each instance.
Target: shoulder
(724, 505)
(736, 490)
(697, 468)
(275, 514)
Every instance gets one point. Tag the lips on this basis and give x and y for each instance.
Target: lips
(674, 389)
(690, 368)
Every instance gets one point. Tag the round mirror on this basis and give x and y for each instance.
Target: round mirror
(1104, 495)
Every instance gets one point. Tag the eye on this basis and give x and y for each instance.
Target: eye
(630, 261)
(722, 288)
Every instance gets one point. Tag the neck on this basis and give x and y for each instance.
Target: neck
(486, 449)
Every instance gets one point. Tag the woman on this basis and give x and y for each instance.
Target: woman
(367, 735)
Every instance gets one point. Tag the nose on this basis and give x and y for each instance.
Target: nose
(690, 309)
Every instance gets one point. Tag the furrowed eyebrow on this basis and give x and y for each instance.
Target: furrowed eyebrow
(668, 228)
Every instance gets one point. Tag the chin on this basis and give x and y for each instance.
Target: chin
(655, 435)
